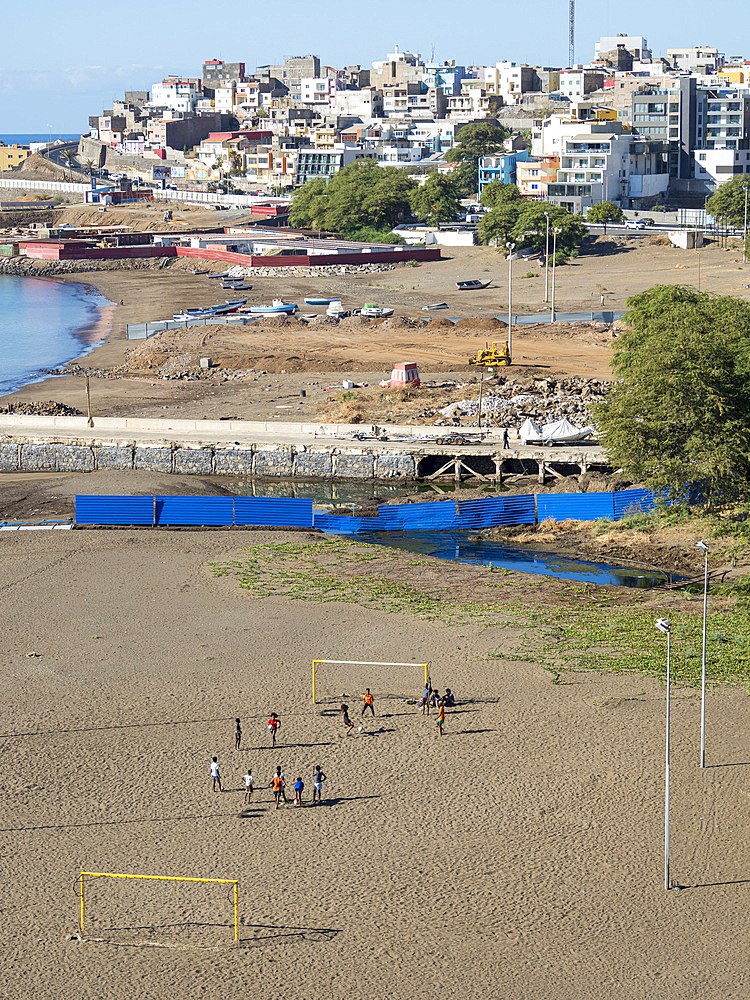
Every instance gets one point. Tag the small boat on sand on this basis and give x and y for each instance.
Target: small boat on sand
(278, 306)
(435, 305)
(472, 286)
(370, 310)
(319, 302)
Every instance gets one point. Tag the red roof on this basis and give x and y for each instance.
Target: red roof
(222, 136)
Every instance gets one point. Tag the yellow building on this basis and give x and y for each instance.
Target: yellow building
(11, 156)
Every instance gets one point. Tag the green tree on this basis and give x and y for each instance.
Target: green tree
(496, 193)
(498, 224)
(436, 200)
(466, 178)
(605, 212)
(362, 194)
(679, 410)
(728, 203)
(530, 229)
(235, 162)
(477, 139)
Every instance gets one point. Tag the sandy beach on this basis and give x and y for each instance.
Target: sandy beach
(519, 856)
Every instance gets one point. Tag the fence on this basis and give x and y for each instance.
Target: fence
(142, 331)
(443, 515)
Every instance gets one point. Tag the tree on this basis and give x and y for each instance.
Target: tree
(604, 212)
(496, 193)
(477, 139)
(728, 203)
(70, 158)
(436, 200)
(530, 229)
(466, 178)
(360, 195)
(235, 162)
(498, 225)
(679, 410)
(89, 167)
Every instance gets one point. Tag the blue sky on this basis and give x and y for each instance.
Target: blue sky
(61, 60)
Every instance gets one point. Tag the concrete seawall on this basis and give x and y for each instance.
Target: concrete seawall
(268, 450)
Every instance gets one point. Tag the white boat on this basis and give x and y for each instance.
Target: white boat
(558, 432)
(371, 311)
(336, 310)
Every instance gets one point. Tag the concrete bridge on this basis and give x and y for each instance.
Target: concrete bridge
(279, 449)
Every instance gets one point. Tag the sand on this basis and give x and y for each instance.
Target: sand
(520, 856)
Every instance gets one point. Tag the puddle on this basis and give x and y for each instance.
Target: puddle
(330, 491)
(455, 546)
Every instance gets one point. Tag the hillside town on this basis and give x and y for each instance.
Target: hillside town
(625, 126)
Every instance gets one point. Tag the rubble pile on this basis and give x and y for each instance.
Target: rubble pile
(43, 408)
(543, 400)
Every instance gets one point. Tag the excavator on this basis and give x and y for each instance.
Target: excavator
(495, 356)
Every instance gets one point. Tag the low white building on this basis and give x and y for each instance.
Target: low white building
(317, 91)
(717, 166)
(176, 94)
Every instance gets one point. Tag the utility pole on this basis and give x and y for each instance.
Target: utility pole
(744, 232)
(572, 34)
(546, 260)
(511, 247)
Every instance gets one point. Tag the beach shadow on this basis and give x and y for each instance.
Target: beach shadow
(305, 933)
(737, 763)
(101, 729)
(336, 800)
(464, 732)
(713, 885)
(112, 822)
(287, 746)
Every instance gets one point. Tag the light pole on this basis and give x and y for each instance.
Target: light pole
(744, 233)
(546, 260)
(555, 233)
(663, 626)
(511, 247)
(704, 549)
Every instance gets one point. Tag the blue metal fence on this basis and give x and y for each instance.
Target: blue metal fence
(442, 515)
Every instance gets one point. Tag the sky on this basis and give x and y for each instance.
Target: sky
(63, 61)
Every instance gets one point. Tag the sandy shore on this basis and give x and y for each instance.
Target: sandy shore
(520, 856)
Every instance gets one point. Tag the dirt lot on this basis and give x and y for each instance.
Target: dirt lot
(283, 360)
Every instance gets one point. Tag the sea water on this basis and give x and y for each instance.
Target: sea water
(44, 324)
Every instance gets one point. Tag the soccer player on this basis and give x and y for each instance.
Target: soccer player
(248, 786)
(299, 787)
(441, 717)
(274, 724)
(318, 779)
(215, 776)
(237, 734)
(277, 783)
(368, 702)
(346, 720)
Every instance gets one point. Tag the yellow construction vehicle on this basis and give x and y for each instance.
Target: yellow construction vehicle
(497, 355)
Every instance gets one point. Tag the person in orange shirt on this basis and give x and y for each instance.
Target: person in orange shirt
(277, 784)
(441, 717)
(369, 702)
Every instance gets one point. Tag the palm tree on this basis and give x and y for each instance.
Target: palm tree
(235, 162)
(89, 167)
(69, 157)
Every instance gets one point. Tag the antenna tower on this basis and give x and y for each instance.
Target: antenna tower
(572, 34)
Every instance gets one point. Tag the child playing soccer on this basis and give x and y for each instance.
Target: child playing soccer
(299, 787)
(441, 717)
(248, 786)
(215, 776)
(368, 702)
(346, 720)
(318, 779)
(274, 724)
(277, 783)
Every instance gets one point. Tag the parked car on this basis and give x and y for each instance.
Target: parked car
(635, 224)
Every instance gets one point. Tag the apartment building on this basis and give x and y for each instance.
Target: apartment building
(176, 94)
(12, 156)
(534, 176)
(366, 103)
(510, 81)
(501, 167)
(322, 164)
(698, 59)
(575, 84)
(318, 91)
(636, 45)
(293, 71)
(217, 73)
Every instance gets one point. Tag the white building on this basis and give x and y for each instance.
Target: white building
(636, 45)
(367, 103)
(696, 59)
(576, 83)
(510, 81)
(317, 91)
(175, 94)
(717, 166)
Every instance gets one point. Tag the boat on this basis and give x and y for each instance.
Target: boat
(472, 286)
(224, 274)
(204, 271)
(319, 302)
(370, 310)
(435, 305)
(336, 310)
(278, 306)
(234, 302)
(223, 310)
(558, 432)
(193, 314)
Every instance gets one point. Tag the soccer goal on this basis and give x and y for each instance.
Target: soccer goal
(353, 676)
(160, 878)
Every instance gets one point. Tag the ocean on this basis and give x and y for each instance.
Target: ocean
(23, 139)
(44, 324)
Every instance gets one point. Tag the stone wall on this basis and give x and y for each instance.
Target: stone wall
(282, 461)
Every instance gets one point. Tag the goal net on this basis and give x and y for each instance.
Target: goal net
(337, 680)
(158, 908)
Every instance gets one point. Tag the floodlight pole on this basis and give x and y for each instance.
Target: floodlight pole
(546, 260)
(744, 233)
(702, 546)
(511, 247)
(666, 783)
(555, 231)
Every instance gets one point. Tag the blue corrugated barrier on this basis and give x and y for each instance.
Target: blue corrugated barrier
(442, 515)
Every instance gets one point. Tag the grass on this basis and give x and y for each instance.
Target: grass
(589, 631)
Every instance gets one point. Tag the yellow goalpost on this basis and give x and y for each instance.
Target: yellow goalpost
(162, 878)
(364, 663)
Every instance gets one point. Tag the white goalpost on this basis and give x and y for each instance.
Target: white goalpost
(362, 663)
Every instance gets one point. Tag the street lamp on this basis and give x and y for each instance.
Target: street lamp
(744, 234)
(704, 549)
(546, 260)
(555, 233)
(511, 247)
(663, 626)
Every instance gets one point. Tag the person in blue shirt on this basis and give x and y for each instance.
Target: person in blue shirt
(299, 787)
